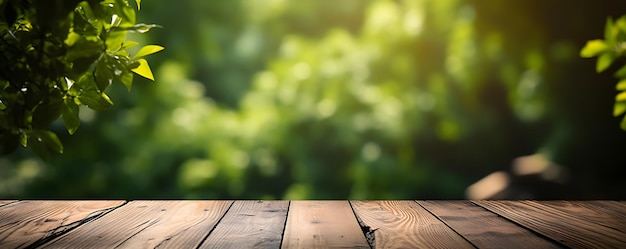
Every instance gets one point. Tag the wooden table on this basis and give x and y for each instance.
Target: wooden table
(310, 224)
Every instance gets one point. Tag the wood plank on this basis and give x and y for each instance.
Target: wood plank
(250, 224)
(322, 224)
(569, 226)
(405, 224)
(29, 223)
(149, 224)
(483, 228)
(614, 207)
(6, 202)
(605, 213)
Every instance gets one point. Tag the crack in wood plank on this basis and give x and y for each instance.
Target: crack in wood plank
(28, 224)
(368, 232)
(7, 202)
(405, 224)
(149, 224)
(66, 228)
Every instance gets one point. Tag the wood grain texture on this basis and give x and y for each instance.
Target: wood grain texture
(483, 228)
(614, 207)
(405, 224)
(250, 224)
(322, 224)
(565, 222)
(5, 202)
(29, 223)
(148, 224)
(604, 213)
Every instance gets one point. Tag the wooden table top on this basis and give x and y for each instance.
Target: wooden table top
(312, 224)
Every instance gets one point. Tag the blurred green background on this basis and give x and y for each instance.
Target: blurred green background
(358, 99)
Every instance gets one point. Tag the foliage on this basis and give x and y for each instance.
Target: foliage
(57, 56)
(325, 99)
(609, 51)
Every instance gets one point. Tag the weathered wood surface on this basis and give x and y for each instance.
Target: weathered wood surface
(322, 224)
(484, 229)
(149, 224)
(573, 224)
(312, 224)
(29, 223)
(250, 224)
(5, 202)
(404, 224)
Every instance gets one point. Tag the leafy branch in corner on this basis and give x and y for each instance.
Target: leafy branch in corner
(56, 55)
(608, 51)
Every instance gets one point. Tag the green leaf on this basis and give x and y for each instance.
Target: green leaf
(87, 93)
(604, 62)
(129, 44)
(85, 23)
(132, 65)
(115, 40)
(620, 97)
(129, 14)
(127, 79)
(107, 99)
(138, 4)
(621, 73)
(147, 50)
(103, 74)
(45, 113)
(81, 47)
(23, 139)
(70, 116)
(123, 10)
(72, 38)
(143, 69)
(43, 141)
(95, 101)
(50, 139)
(38, 146)
(118, 62)
(620, 28)
(621, 86)
(85, 83)
(593, 48)
(619, 108)
(609, 35)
